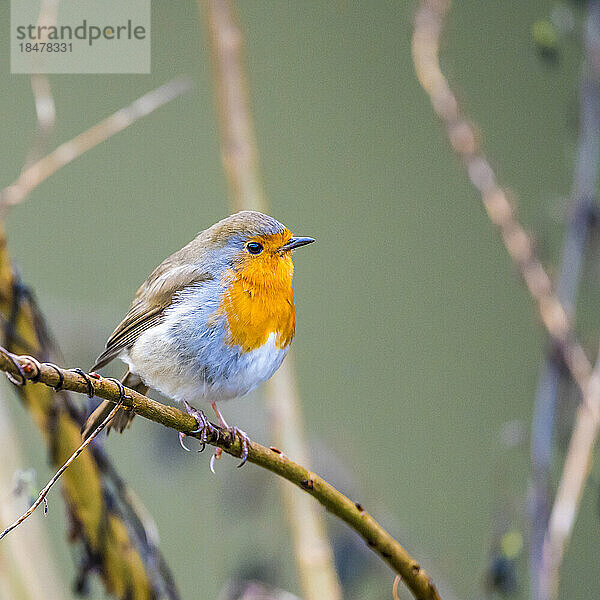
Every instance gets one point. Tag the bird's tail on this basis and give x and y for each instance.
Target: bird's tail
(122, 418)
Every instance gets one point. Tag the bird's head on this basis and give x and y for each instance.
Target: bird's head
(256, 247)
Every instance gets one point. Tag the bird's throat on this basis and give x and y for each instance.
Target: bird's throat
(258, 301)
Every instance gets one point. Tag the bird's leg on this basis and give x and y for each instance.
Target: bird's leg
(223, 423)
(234, 432)
(204, 426)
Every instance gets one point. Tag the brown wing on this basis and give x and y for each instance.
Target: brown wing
(132, 326)
(147, 310)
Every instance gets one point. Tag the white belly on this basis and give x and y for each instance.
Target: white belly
(200, 369)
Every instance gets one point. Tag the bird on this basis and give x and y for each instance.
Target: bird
(212, 322)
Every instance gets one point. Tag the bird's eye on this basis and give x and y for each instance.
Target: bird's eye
(254, 247)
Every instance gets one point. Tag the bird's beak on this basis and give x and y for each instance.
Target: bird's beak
(296, 242)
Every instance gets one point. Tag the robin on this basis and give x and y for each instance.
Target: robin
(212, 321)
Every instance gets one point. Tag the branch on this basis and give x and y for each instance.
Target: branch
(45, 107)
(238, 141)
(554, 315)
(587, 419)
(42, 495)
(38, 172)
(114, 535)
(239, 149)
(27, 562)
(519, 244)
(572, 255)
(24, 368)
(45, 110)
(570, 488)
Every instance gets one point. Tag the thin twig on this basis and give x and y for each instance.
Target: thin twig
(35, 174)
(114, 541)
(115, 544)
(519, 244)
(45, 110)
(575, 239)
(587, 419)
(570, 488)
(27, 563)
(45, 107)
(42, 496)
(554, 316)
(380, 541)
(238, 140)
(312, 550)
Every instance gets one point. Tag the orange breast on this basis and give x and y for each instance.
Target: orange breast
(259, 301)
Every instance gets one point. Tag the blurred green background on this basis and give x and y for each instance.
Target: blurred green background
(416, 341)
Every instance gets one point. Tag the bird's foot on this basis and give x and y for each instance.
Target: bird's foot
(244, 440)
(233, 433)
(204, 427)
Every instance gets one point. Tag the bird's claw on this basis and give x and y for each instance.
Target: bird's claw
(182, 436)
(217, 454)
(204, 427)
(206, 431)
(244, 440)
(233, 433)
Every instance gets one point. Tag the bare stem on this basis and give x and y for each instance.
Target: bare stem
(45, 107)
(575, 473)
(238, 141)
(429, 21)
(27, 563)
(38, 172)
(572, 255)
(42, 495)
(313, 553)
(23, 369)
(555, 316)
